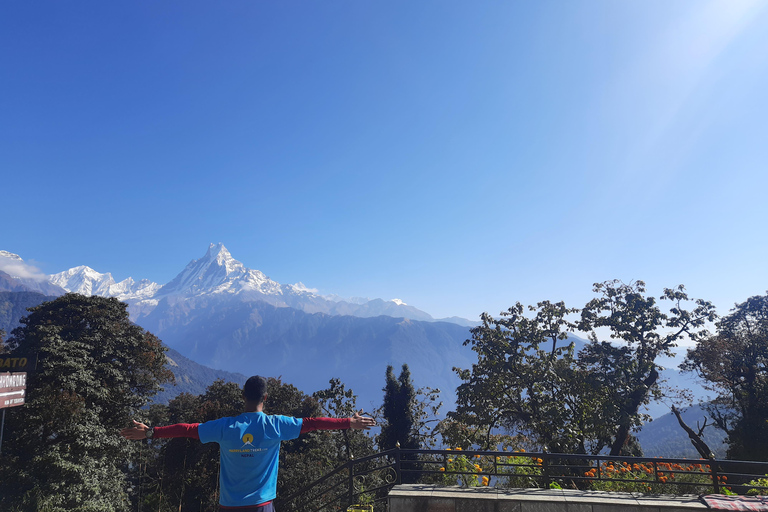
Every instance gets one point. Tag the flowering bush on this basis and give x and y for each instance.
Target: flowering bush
(464, 470)
(519, 471)
(509, 471)
(650, 477)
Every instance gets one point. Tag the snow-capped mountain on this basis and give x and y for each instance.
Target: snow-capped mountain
(86, 281)
(218, 272)
(17, 275)
(218, 276)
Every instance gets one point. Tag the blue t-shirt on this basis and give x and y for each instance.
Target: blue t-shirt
(249, 452)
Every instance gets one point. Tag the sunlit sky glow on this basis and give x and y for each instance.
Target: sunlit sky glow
(460, 156)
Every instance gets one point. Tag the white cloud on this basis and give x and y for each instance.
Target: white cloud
(301, 287)
(16, 267)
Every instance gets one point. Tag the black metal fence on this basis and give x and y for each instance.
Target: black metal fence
(367, 480)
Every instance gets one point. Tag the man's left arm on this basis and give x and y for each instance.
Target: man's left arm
(356, 422)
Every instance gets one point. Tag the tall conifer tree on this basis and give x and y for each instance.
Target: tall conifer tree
(399, 398)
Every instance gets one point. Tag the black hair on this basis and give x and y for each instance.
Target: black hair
(255, 388)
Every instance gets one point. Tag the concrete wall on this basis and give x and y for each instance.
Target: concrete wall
(426, 498)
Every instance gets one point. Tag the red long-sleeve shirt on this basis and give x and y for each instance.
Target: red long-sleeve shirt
(307, 425)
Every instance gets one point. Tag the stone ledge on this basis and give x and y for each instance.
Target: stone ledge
(430, 498)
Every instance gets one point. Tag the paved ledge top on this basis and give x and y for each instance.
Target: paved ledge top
(689, 501)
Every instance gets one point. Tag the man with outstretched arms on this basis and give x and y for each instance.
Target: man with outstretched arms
(249, 446)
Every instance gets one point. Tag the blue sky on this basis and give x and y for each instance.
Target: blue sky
(460, 156)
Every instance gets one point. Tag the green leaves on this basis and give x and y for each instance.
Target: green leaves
(733, 363)
(95, 369)
(528, 382)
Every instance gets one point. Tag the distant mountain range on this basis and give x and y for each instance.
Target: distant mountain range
(218, 274)
(217, 313)
(222, 314)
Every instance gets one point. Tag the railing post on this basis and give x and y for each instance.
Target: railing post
(351, 481)
(398, 469)
(545, 467)
(599, 469)
(714, 476)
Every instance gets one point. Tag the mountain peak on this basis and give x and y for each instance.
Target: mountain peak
(87, 281)
(10, 256)
(218, 252)
(218, 272)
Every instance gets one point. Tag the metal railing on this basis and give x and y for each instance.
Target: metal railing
(368, 480)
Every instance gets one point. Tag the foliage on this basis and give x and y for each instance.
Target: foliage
(337, 401)
(515, 470)
(399, 420)
(759, 486)
(733, 363)
(464, 470)
(526, 386)
(95, 370)
(398, 425)
(629, 373)
(520, 471)
(654, 478)
(523, 470)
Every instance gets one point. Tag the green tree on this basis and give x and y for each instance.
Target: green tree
(526, 388)
(95, 370)
(733, 364)
(529, 384)
(399, 424)
(337, 401)
(405, 418)
(634, 320)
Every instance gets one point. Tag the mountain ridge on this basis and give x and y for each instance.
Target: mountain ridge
(218, 273)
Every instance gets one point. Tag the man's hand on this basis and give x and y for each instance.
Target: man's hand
(359, 422)
(136, 432)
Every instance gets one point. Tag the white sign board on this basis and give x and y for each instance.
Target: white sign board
(13, 389)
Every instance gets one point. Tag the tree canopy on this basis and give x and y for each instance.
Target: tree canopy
(95, 369)
(733, 363)
(643, 333)
(528, 382)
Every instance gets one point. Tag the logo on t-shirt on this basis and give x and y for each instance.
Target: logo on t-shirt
(248, 449)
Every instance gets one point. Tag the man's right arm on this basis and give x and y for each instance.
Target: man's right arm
(141, 431)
